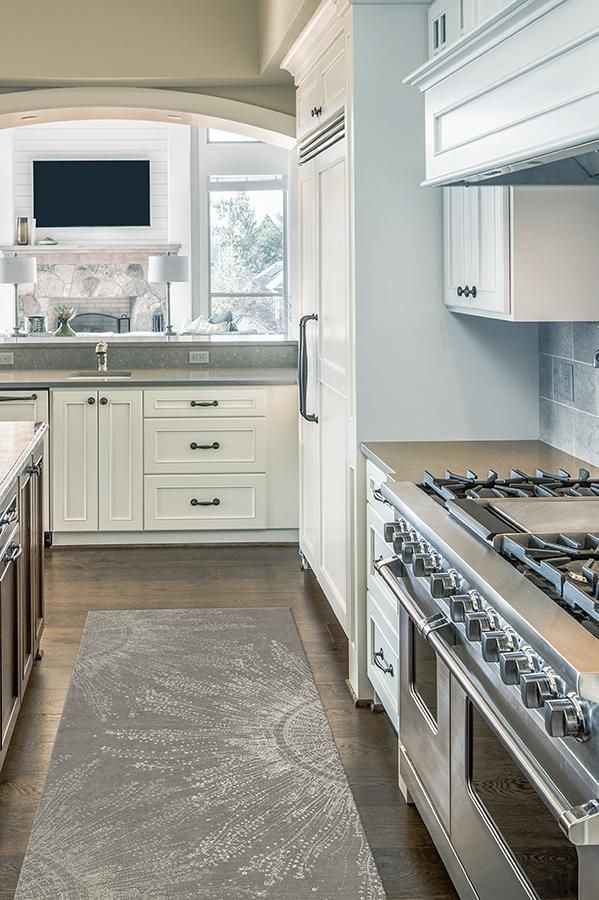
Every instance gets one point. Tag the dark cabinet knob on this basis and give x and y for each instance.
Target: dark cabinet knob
(536, 688)
(103, 401)
(460, 291)
(91, 400)
(564, 717)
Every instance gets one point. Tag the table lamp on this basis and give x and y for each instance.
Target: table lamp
(18, 270)
(168, 269)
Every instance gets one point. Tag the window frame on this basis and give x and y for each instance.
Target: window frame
(237, 184)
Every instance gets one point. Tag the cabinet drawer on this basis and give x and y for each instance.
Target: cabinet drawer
(177, 446)
(377, 549)
(187, 502)
(309, 97)
(204, 402)
(383, 659)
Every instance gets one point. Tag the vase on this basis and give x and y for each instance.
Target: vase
(64, 330)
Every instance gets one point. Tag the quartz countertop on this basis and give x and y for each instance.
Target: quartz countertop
(407, 460)
(17, 441)
(46, 378)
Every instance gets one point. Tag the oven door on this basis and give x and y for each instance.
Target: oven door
(506, 837)
(424, 715)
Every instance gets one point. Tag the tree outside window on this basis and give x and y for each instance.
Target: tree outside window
(247, 258)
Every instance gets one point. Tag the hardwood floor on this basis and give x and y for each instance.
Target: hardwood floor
(173, 577)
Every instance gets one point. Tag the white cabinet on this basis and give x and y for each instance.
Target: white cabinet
(322, 93)
(120, 461)
(524, 254)
(97, 460)
(324, 292)
(476, 249)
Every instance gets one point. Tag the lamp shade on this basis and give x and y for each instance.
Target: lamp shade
(168, 268)
(18, 269)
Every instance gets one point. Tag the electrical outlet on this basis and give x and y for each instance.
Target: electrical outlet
(199, 357)
(7, 359)
(563, 382)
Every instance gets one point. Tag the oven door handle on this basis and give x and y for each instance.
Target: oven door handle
(580, 824)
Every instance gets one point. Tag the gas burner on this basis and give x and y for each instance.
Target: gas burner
(519, 484)
(567, 566)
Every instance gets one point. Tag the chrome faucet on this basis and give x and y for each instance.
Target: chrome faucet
(102, 356)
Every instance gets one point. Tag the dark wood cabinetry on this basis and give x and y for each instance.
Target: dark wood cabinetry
(21, 591)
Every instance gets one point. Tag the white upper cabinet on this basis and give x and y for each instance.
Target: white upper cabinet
(522, 253)
(320, 70)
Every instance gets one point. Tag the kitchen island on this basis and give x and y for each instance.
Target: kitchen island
(21, 565)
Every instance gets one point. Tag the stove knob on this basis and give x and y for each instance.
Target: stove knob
(409, 548)
(564, 717)
(393, 529)
(536, 688)
(444, 584)
(425, 563)
(477, 622)
(460, 604)
(514, 664)
(496, 642)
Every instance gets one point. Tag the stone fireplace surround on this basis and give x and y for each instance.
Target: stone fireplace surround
(109, 279)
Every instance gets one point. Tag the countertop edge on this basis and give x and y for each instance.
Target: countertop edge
(10, 477)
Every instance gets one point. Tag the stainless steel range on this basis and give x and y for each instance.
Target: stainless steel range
(498, 585)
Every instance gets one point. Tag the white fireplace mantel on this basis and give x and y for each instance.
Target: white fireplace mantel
(89, 250)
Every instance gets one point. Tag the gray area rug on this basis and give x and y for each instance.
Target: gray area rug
(194, 760)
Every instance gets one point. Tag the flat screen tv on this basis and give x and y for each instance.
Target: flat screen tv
(91, 193)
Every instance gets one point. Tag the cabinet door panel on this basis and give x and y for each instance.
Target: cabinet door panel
(309, 431)
(25, 573)
(120, 455)
(74, 460)
(9, 646)
(37, 549)
(489, 270)
(333, 500)
(454, 244)
(332, 254)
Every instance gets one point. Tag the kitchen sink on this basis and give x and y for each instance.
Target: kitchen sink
(93, 375)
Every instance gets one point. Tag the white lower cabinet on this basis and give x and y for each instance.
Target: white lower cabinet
(174, 459)
(74, 455)
(181, 502)
(120, 456)
(97, 470)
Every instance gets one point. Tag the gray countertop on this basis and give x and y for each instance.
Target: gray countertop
(44, 378)
(18, 440)
(407, 460)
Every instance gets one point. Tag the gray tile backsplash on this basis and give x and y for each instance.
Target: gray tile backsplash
(569, 387)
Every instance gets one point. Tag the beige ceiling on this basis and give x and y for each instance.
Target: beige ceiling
(231, 47)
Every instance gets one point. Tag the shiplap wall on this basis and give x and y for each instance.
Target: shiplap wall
(95, 140)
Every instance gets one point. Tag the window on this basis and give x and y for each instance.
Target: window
(216, 136)
(248, 272)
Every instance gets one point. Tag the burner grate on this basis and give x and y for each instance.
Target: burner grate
(518, 484)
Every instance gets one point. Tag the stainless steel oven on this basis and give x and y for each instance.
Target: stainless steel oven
(509, 818)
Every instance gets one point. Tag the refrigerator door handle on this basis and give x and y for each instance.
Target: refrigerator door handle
(303, 368)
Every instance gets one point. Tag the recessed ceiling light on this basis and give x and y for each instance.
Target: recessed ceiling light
(26, 118)
(172, 116)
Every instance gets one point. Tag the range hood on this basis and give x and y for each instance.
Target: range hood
(574, 166)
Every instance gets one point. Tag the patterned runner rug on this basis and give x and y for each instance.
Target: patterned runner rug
(194, 760)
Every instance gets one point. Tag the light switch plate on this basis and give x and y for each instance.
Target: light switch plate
(199, 357)
(7, 359)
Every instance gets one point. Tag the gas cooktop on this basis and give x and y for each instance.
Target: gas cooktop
(546, 525)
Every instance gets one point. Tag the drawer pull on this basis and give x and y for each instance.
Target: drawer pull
(12, 554)
(213, 446)
(215, 502)
(387, 669)
(204, 403)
